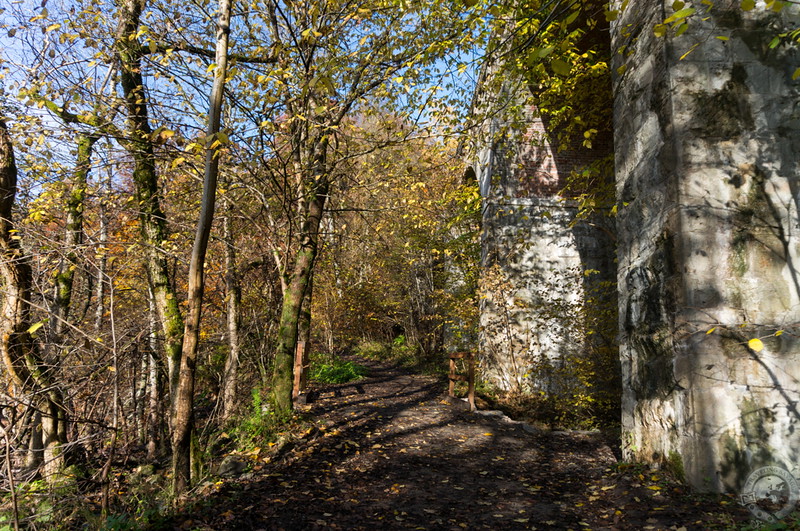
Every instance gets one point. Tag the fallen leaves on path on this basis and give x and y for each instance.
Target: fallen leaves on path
(390, 453)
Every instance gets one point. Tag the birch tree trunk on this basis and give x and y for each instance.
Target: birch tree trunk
(156, 426)
(234, 296)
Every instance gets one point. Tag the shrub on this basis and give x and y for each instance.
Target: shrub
(259, 426)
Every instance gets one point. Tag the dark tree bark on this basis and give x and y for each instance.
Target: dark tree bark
(139, 144)
(18, 348)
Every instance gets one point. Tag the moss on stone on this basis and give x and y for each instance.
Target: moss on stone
(674, 466)
(725, 113)
(738, 259)
(733, 466)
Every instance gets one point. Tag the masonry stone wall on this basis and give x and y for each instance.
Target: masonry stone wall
(535, 257)
(707, 148)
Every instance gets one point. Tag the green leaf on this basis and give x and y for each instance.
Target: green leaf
(560, 67)
(660, 30)
(748, 5)
(570, 19)
(544, 52)
(683, 13)
(796, 74)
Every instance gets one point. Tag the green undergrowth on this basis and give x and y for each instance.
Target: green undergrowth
(259, 426)
(334, 370)
(402, 352)
(137, 499)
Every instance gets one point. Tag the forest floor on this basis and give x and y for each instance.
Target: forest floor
(391, 452)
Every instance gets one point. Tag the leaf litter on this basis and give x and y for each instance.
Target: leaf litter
(410, 460)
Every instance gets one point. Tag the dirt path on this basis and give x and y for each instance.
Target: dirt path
(391, 452)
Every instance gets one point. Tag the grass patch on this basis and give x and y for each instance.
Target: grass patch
(259, 426)
(373, 350)
(403, 353)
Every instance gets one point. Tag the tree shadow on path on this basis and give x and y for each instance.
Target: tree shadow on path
(392, 453)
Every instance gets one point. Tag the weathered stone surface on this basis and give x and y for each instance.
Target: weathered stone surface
(530, 302)
(536, 257)
(708, 192)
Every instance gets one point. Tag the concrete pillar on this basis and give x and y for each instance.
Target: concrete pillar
(543, 270)
(707, 147)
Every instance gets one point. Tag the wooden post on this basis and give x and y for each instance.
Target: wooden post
(299, 369)
(471, 382)
(469, 377)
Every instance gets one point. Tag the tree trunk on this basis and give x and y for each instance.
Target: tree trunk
(152, 222)
(139, 391)
(73, 235)
(303, 349)
(54, 418)
(18, 349)
(54, 434)
(102, 265)
(155, 420)
(183, 423)
(234, 295)
(293, 297)
(35, 458)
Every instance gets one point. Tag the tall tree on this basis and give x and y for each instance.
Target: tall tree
(18, 348)
(73, 232)
(233, 298)
(215, 141)
(139, 143)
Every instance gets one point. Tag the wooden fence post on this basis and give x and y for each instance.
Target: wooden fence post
(469, 377)
(299, 370)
